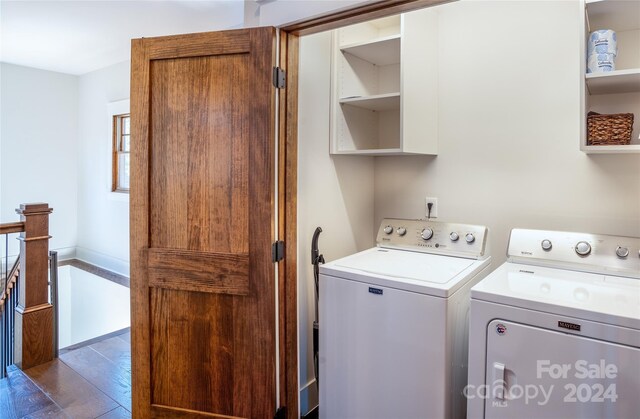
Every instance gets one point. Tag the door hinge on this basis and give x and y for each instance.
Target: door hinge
(279, 78)
(281, 413)
(277, 251)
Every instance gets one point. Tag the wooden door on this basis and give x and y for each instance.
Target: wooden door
(202, 225)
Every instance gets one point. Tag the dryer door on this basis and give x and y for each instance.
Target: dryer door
(534, 372)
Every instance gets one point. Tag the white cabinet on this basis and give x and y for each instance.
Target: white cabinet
(384, 86)
(617, 91)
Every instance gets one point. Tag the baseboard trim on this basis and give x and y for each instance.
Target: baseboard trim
(101, 260)
(65, 252)
(309, 398)
(98, 271)
(313, 414)
(93, 340)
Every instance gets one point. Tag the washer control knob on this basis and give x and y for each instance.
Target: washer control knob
(546, 244)
(401, 231)
(388, 230)
(622, 252)
(583, 248)
(454, 236)
(426, 234)
(470, 238)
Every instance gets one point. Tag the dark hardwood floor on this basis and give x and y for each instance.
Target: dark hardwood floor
(89, 382)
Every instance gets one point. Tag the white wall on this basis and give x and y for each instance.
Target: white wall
(103, 216)
(56, 148)
(335, 193)
(90, 306)
(509, 126)
(39, 148)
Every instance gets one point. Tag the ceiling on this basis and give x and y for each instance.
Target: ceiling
(77, 37)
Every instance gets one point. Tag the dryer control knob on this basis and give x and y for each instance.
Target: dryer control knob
(426, 234)
(402, 231)
(622, 252)
(470, 238)
(454, 236)
(388, 230)
(583, 248)
(546, 244)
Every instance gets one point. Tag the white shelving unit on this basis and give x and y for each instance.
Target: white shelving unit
(372, 112)
(617, 91)
(619, 81)
(621, 15)
(384, 102)
(379, 51)
(612, 149)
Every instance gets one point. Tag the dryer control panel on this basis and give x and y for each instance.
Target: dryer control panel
(449, 239)
(597, 253)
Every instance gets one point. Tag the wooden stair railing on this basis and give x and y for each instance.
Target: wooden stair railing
(11, 281)
(31, 340)
(8, 228)
(9, 290)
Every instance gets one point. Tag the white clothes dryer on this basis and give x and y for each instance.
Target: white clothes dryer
(555, 331)
(394, 322)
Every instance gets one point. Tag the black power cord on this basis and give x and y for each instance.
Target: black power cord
(316, 260)
(429, 206)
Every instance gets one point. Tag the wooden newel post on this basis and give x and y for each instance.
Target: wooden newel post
(34, 314)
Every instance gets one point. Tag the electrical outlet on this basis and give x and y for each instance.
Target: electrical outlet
(434, 207)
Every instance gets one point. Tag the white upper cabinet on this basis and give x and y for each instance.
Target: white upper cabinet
(384, 86)
(616, 91)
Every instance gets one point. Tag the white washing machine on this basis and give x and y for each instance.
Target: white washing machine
(555, 331)
(394, 322)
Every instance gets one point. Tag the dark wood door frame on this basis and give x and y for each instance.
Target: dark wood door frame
(288, 172)
(287, 225)
(357, 14)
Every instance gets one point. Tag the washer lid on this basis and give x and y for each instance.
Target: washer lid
(595, 297)
(401, 269)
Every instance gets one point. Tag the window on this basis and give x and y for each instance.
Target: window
(121, 148)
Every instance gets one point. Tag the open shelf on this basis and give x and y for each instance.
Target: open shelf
(611, 149)
(373, 152)
(620, 15)
(619, 81)
(384, 102)
(380, 51)
(384, 87)
(616, 91)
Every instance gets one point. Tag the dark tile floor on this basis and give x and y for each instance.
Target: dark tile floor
(89, 382)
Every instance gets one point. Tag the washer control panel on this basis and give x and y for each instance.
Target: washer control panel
(596, 253)
(436, 237)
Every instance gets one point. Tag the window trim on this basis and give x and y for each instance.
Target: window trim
(117, 150)
(115, 108)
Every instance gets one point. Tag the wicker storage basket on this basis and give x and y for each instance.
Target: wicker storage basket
(612, 129)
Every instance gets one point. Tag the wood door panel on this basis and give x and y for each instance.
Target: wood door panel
(200, 44)
(192, 333)
(198, 164)
(226, 273)
(203, 336)
(202, 223)
(165, 412)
